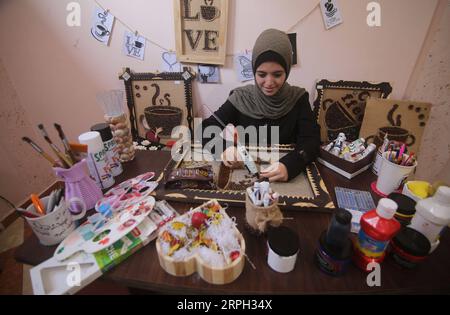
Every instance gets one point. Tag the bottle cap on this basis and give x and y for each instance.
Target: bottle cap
(104, 130)
(93, 140)
(343, 216)
(442, 195)
(386, 208)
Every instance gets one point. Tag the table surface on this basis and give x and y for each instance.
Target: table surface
(142, 269)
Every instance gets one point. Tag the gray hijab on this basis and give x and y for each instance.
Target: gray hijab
(250, 100)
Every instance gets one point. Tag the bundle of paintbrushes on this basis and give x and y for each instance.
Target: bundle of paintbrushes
(64, 159)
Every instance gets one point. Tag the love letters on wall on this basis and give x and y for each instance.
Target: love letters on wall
(201, 30)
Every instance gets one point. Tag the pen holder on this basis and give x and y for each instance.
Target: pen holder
(258, 218)
(79, 184)
(392, 175)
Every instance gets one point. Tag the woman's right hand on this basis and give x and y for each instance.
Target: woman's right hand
(231, 158)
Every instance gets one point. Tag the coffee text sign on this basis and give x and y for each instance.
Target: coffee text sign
(201, 30)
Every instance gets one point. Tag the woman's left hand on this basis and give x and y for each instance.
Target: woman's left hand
(276, 172)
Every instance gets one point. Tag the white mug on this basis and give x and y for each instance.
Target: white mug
(54, 227)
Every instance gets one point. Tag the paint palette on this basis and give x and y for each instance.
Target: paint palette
(86, 238)
(128, 192)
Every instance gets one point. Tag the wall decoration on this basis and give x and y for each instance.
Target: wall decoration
(403, 121)
(208, 74)
(170, 62)
(293, 40)
(201, 30)
(102, 24)
(331, 13)
(158, 102)
(306, 192)
(243, 65)
(339, 106)
(134, 45)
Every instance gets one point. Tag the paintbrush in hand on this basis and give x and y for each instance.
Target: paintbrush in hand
(65, 161)
(40, 151)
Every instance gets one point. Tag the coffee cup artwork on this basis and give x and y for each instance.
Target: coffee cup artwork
(102, 25)
(208, 11)
(56, 225)
(393, 133)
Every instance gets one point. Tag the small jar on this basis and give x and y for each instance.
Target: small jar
(409, 247)
(122, 135)
(406, 208)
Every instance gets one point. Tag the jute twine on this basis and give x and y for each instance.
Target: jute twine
(259, 218)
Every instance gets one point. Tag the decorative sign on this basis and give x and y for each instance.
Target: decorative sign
(170, 62)
(102, 24)
(243, 65)
(201, 30)
(331, 13)
(134, 45)
(208, 74)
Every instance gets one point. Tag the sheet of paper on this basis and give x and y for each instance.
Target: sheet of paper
(243, 65)
(102, 24)
(134, 45)
(331, 13)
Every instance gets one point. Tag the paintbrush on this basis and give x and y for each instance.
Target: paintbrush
(64, 140)
(40, 151)
(65, 161)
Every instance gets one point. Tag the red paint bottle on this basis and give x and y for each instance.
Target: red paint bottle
(378, 227)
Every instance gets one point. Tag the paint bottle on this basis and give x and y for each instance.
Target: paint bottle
(433, 215)
(338, 144)
(334, 251)
(111, 148)
(98, 167)
(378, 227)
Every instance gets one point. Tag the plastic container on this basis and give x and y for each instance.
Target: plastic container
(409, 247)
(378, 227)
(283, 249)
(406, 208)
(98, 167)
(432, 215)
(111, 148)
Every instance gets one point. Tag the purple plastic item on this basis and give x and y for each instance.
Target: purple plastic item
(79, 184)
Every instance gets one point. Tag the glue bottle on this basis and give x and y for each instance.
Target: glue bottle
(433, 215)
(112, 151)
(378, 227)
(97, 164)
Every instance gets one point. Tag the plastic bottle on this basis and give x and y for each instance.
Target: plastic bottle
(112, 151)
(432, 215)
(98, 167)
(378, 227)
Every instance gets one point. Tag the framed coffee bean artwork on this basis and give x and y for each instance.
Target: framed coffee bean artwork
(340, 106)
(201, 30)
(402, 121)
(158, 102)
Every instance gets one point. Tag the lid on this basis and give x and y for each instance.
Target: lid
(283, 241)
(343, 216)
(412, 242)
(406, 205)
(386, 208)
(92, 139)
(104, 130)
(437, 208)
(342, 253)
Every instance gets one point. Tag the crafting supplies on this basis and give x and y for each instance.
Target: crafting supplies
(38, 206)
(378, 226)
(392, 173)
(40, 151)
(112, 151)
(409, 247)
(357, 202)
(98, 167)
(406, 208)
(433, 215)
(64, 140)
(283, 247)
(338, 144)
(66, 162)
(195, 178)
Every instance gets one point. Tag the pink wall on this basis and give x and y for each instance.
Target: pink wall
(56, 69)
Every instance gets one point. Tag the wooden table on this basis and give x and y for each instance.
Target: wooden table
(142, 270)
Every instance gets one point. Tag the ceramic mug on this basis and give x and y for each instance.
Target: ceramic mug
(54, 227)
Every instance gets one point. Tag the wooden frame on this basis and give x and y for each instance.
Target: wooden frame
(339, 106)
(320, 201)
(198, 25)
(171, 90)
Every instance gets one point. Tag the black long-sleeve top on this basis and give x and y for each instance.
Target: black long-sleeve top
(298, 127)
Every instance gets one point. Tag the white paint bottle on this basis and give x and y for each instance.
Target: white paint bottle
(97, 163)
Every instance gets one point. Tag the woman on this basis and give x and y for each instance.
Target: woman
(272, 102)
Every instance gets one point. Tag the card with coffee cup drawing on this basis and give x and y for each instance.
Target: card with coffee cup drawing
(402, 121)
(102, 24)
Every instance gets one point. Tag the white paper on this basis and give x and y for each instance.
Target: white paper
(208, 74)
(243, 64)
(134, 46)
(102, 23)
(331, 13)
(169, 62)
